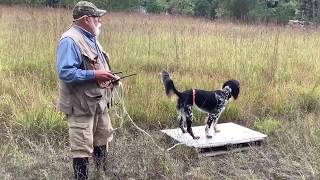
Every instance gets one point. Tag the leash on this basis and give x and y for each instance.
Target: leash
(118, 91)
(113, 81)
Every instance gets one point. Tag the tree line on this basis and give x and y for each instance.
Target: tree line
(278, 11)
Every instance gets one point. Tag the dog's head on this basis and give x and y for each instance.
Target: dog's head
(234, 85)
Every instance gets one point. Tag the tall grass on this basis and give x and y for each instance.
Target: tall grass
(277, 67)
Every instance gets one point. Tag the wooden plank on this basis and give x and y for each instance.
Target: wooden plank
(230, 135)
(232, 148)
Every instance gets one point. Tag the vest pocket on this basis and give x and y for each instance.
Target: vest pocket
(80, 105)
(94, 95)
(85, 102)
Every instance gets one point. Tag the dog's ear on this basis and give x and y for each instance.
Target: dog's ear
(235, 87)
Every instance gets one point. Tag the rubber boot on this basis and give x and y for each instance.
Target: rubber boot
(80, 168)
(100, 157)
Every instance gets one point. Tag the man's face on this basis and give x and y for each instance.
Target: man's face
(94, 24)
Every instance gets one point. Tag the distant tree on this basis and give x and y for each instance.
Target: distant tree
(309, 10)
(285, 11)
(272, 3)
(156, 6)
(282, 13)
(261, 13)
(213, 8)
(184, 7)
(249, 10)
(120, 4)
(205, 8)
(238, 9)
(202, 8)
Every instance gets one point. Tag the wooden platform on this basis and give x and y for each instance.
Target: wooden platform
(232, 137)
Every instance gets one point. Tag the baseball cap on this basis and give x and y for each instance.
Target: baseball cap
(86, 8)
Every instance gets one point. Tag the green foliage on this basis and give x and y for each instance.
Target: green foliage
(237, 8)
(285, 11)
(280, 14)
(6, 109)
(184, 7)
(156, 6)
(231, 114)
(246, 10)
(121, 4)
(42, 120)
(309, 102)
(260, 13)
(309, 10)
(268, 125)
(202, 8)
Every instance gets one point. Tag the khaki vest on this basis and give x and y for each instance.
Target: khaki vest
(87, 97)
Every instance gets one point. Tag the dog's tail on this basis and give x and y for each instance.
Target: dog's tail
(168, 84)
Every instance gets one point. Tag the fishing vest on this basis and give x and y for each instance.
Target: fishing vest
(87, 97)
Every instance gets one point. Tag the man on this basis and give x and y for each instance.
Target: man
(85, 88)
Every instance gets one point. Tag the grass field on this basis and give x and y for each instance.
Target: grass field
(278, 68)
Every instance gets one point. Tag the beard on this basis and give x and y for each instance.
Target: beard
(96, 28)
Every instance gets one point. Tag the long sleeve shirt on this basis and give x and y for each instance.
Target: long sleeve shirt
(69, 59)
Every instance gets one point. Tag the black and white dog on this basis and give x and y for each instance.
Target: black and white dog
(211, 102)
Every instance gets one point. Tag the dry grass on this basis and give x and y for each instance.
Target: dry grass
(278, 69)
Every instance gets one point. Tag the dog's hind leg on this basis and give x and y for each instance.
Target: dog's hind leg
(189, 116)
(182, 119)
(209, 122)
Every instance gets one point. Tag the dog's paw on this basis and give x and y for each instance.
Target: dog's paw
(183, 131)
(209, 136)
(216, 130)
(196, 137)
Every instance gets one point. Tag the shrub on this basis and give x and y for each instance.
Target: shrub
(268, 125)
(42, 120)
(309, 102)
(184, 7)
(155, 6)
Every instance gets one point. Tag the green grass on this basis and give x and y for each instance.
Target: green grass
(277, 67)
(268, 125)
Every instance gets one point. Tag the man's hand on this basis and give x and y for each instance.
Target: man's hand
(116, 81)
(103, 76)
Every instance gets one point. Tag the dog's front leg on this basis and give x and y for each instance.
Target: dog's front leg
(216, 118)
(212, 117)
(189, 116)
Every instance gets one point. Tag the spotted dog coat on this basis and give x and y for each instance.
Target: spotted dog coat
(211, 102)
(222, 101)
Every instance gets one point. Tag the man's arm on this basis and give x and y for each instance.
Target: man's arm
(69, 62)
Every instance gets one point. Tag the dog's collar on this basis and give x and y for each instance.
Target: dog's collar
(193, 96)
